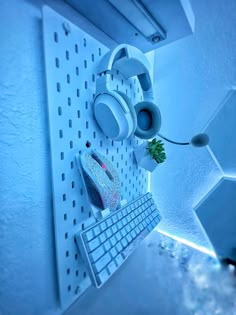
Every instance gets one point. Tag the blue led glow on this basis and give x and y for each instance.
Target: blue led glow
(188, 243)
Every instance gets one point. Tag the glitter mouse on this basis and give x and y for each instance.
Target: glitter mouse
(101, 180)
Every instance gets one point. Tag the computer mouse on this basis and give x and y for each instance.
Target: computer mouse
(101, 180)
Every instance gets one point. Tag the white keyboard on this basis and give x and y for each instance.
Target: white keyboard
(108, 243)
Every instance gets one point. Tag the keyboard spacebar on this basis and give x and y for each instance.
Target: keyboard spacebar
(131, 247)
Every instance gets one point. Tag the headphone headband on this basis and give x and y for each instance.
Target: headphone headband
(130, 61)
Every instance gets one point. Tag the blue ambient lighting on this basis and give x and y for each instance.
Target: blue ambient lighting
(188, 243)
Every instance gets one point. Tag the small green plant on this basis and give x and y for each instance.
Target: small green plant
(156, 150)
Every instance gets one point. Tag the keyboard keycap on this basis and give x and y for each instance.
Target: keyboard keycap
(108, 233)
(102, 237)
(96, 231)
(119, 260)
(103, 226)
(113, 252)
(93, 244)
(118, 247)
(112, 241)
(109, 222)
(124, 242)
(118, 236)
(97, 253)
(102, 276)
(88, 235)
(111, 267)
(129, 238)
(107, 246)
(114, 229)
(102, 262)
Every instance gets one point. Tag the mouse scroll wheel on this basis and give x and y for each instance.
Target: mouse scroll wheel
(96, 158)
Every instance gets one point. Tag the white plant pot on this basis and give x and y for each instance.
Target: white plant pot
(143, 158)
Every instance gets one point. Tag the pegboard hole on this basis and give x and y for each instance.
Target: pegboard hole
(88, 144)
(78, 93)
(85, 274)
(63, 177)
(76, 256)
(76, 48)
(69, 101)
(65, 216)
(59, 111)
(71, 144)
(85, 85)
(57, 62)
(66, 236)
(77, 70)
(67, 253)
(79, 134)
(62, 155)
(72, 184)
(55, 37)
(61, 133)
(76, 273)
(90, 214)
(70, 123)
(71, 164)
(74, 221)
(69, 288)
(78, 113)
(93, 78)
(86, 105)
(58, 87)
(82, 209)
(94, 134)
(85, 42)
(67, 55)
(99, 51)
(87, 124)
(68, 78)
(92, 57)
(85, 64)
(64, 197)
(82, 226)
(68, 271)
(73, 203)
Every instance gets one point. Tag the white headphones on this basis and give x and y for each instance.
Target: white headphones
(115, 114)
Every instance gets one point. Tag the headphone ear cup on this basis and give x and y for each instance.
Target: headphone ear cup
(112, 114)
(131, 108)
(148, 120)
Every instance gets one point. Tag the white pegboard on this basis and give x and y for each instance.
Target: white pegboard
(71, 59)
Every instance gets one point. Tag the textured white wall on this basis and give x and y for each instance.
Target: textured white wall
(192, 78)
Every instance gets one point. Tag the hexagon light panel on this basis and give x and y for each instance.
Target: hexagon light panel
(217, 214)
(217, 210)
(222, 131)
